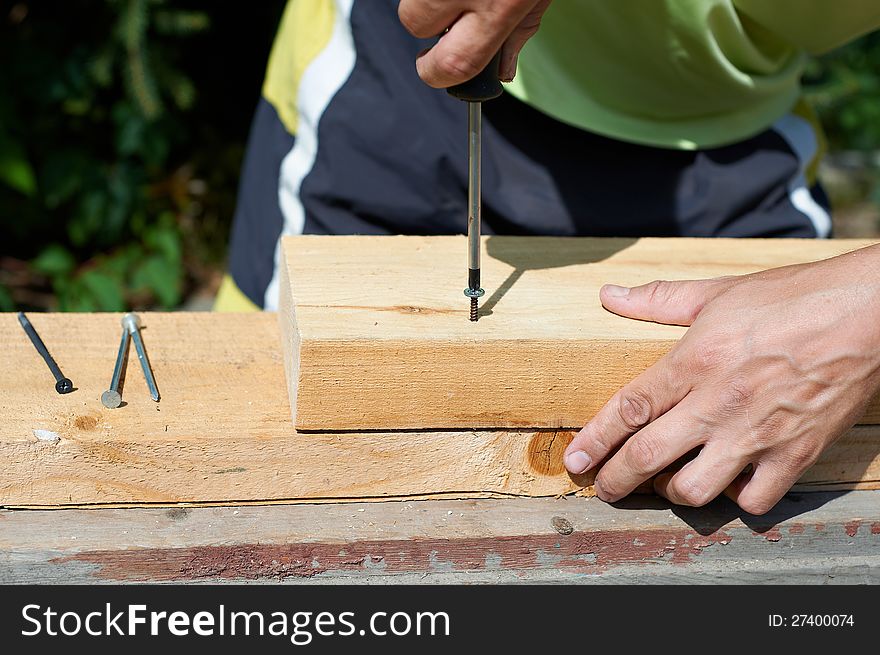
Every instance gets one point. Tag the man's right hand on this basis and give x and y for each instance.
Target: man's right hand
(477, 30)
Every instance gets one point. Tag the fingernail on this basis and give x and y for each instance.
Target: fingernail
(508, 70)
(615, 291)
(578, 462)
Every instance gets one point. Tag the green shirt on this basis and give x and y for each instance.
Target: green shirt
(680, 73)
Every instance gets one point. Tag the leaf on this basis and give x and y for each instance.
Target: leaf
(130, 128)
(54, 260)
(6, 302)
(181, 22)
(15, 169)
(63, 175)
(84, 226)
(164, 238)
(161, 277)
(105, 290)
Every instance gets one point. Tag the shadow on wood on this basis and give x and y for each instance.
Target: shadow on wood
(716, 515)
(523, 256)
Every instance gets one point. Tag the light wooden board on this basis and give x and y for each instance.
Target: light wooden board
(222, 432)
(807, 538)
(376, 335)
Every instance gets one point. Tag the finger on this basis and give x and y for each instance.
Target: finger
(673, 303)
(649, 451)
(739, 482)
(424, 18)
(702, 479)
(643, 400)
(517, 39)
(767, 485)
(465, 50)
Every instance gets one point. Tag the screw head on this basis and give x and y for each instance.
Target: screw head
(64, 385)
(131, 322)
(111, 399)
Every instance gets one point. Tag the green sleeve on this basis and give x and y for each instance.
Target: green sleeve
(817, 26)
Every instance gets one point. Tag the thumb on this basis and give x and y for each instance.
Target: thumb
(672, 303)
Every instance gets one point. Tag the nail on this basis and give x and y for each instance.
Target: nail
(615, 291)
(132, 323)
(578, 462)
(111, 398)
(62, 384)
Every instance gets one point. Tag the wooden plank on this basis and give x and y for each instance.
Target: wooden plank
(806, 538)
(222, 432)
(376, 335)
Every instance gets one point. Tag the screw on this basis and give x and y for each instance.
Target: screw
(474, 295)
(132, 323)
(111, 398)
(62, 384)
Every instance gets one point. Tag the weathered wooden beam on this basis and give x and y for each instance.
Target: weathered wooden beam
(806, 538)
(376, 334)
(222, 432)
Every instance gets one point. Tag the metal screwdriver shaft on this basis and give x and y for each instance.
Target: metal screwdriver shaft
(62, 384)
(475, 120)
(484, 86)
(132, 323)
(111, 398)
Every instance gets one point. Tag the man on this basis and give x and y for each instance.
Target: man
(668, 117)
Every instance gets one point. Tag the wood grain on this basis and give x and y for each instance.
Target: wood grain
(222, 433)
(819, 537)
(376, 336)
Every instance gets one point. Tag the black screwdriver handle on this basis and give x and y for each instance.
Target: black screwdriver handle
(484, 86)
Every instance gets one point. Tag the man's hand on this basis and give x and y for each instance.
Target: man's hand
(774, 368)
(477, 30)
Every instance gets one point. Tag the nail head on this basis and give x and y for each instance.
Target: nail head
(111, 399)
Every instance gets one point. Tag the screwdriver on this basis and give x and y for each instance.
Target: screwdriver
(484, 86)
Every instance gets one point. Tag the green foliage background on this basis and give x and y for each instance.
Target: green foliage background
(123, 124)
(844, 86)
(122, 127)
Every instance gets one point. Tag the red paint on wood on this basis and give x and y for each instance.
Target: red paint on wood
(797, 528)
(875, 527)
(852, 528)
(773, 534)
(580, 552)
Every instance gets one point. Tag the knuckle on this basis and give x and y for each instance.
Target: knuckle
(418, 18)
(658, 291)
(800, 457)
(603, 444)
(634, 408)
(643, 454)
(707, 354)
(736, 395)
(691, 491)
(407, 17)
(756, 506)
(458, 65)
(608, 487)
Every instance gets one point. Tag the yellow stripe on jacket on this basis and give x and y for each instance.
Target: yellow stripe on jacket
(305, 30)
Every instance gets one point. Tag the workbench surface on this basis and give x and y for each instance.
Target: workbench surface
(222, 433)
(120, 495)
(808, 538)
